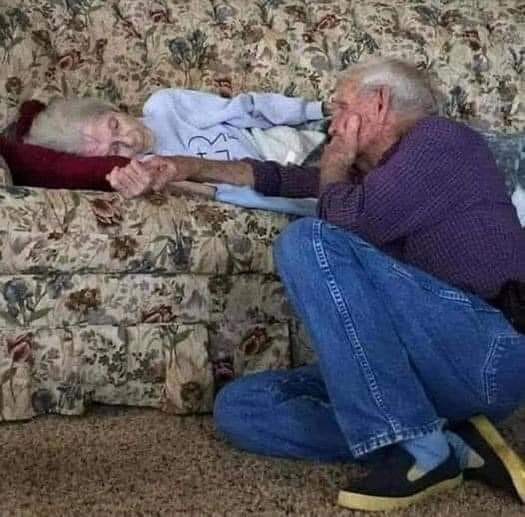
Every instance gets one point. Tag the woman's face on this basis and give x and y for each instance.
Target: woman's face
(116, 134)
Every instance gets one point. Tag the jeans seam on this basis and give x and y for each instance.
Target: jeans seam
(349, 326)
(489, 385)
(449, 294)
(490, 369)
(385, 439)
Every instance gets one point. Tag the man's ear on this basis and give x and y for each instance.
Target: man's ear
(384, 98)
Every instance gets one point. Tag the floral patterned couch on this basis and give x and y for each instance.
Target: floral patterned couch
(156, 301)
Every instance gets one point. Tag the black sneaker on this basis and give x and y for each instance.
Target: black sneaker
(388, 485)
(502, 468)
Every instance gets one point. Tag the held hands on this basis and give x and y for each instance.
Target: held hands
(340, 154)
(138, 178)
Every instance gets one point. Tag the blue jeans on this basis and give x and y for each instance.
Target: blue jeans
(399, 353)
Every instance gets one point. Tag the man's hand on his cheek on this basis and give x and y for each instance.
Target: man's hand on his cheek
(340, 154)
(345, 135)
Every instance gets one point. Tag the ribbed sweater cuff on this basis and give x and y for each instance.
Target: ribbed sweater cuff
(314, 110)
(267, 179)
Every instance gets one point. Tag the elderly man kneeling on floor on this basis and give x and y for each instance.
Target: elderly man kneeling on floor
(403, 283)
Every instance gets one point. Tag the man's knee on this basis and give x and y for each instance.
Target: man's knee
(227, 413)
(294, 244)
(247, 404)
(240, 405)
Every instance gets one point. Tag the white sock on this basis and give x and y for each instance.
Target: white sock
(467, 457)
(429, 451)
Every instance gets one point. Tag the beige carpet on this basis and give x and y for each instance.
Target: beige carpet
(118, 461)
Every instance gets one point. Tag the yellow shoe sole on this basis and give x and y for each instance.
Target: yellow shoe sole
(370, 503)
(513, 463)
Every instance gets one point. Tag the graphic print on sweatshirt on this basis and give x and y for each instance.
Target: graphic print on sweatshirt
(217, 149)
(191, 122)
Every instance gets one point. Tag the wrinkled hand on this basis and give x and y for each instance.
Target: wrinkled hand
(132, 180)
(138, 178)
(340, 154)
(135, 179)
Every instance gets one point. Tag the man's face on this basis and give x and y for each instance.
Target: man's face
(349, 100)
(116, 134)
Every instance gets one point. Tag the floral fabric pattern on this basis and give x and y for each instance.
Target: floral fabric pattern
(124, 50)
(5, 174)
(159, 301)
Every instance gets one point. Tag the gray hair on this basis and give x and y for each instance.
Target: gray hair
(60, 125)
(412, 94)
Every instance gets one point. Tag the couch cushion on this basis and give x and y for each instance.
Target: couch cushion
(45, 231)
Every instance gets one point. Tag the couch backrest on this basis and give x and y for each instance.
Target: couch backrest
(123, 50)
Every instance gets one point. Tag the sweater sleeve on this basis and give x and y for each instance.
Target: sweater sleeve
(247, 110)
(36, 166)
(423, 180)
(274, 179)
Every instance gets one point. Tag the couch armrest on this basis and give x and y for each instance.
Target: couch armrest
(5, 174)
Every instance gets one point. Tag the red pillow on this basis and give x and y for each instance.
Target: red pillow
(36, 166)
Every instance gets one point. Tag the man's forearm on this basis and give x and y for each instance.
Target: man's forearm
(217, 171)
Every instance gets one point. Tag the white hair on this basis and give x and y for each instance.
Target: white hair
(412, 94)
(60, 125)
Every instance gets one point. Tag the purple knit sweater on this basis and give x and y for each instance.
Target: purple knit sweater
(436, 201)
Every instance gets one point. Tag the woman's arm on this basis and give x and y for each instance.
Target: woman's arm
(246, 110)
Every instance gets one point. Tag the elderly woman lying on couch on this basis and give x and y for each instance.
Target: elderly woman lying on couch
(259, 126)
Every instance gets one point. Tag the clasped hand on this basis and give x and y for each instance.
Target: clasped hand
(138, 178)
